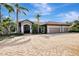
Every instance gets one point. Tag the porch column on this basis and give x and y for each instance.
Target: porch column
(48, 29)
(30, 28)
(22, 29)
(60, 28)
(63, 28)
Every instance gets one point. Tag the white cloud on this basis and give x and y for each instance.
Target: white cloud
(62, 6)
(43, 8)
(70, 16)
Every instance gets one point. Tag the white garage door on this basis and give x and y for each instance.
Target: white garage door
(53, 29)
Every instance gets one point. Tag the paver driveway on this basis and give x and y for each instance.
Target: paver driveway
(42, 44)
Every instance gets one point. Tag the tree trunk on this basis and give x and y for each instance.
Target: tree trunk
(38, 25)
(17, 22)
(9, 32)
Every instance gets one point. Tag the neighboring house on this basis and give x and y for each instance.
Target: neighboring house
(50, 27)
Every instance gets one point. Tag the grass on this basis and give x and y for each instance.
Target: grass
(2, 37)
(5, 37)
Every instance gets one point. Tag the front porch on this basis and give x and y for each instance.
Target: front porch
(26, 27)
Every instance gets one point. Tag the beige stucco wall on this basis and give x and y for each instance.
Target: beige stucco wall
(56, 29)
(65, 28)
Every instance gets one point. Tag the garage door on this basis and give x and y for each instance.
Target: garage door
(54, 30)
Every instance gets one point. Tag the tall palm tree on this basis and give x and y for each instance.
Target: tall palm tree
(38, 18)
(19, 9)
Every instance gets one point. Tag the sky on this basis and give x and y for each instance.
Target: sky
(57, 12)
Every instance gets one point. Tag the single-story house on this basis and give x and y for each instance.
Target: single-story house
(50, 27)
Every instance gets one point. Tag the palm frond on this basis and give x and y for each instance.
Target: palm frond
(16, 4)
(24, 13)
(8, 7)
(38, 15)
(23, 8)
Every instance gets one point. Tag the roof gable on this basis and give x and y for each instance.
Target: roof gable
(26, 21)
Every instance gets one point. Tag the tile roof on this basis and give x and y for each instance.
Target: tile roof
(48, 23)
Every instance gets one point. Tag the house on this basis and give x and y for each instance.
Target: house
(49, 27)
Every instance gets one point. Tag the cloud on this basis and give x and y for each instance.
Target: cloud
(66, 4)
(43, 8)
(70, 16)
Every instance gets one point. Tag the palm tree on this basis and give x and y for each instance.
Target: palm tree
(19, 9)
(8, 7)
(38, 16)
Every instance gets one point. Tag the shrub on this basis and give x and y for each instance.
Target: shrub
(34, 28)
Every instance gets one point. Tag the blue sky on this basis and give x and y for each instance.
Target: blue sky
(58, 12)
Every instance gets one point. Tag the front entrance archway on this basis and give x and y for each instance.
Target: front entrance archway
(26, 29)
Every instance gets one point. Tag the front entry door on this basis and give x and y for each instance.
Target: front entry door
(26, 29)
